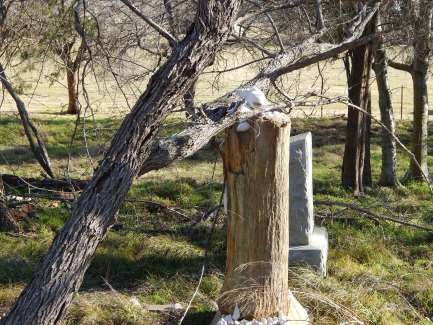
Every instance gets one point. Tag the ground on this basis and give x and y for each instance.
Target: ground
(379, 272)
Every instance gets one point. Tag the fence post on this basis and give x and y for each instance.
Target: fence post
(401, 103)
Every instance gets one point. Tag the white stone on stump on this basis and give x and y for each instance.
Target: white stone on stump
(308, 244)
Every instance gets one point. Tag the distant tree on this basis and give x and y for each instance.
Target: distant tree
(356, 169)
(388, 174)
(58, 39)
(14, 33)
(412, 23)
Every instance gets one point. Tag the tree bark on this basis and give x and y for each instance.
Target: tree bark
(256, 170)
(7, 221)
(188, 100)
(60, 274)
(420, 130)
(388, 174)
(169, 9)
(422, 51)
(73, 104)
(367, 180)
(356, 171)
(422, 12)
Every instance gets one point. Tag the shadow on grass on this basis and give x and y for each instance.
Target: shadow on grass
(124, 273)
(198, 317)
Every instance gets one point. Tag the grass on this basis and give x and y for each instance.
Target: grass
(380, 273)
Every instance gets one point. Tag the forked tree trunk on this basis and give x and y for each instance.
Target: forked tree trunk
(388, 174)
(256, 169)
(73, 104)
(46, 298)
(356, 171)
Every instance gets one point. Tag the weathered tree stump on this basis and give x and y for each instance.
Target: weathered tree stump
(256, 169)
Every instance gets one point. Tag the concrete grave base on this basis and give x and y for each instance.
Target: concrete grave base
(315, 254)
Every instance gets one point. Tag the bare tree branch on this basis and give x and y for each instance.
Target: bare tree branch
(320, 22)
(371, 215)
(30, 129)
(277, 33)
(289, 4)
(400, 66)
(186, 143)
(170, 38)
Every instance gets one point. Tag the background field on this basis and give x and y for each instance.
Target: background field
(46, 97)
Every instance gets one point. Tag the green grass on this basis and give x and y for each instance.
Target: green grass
(380, 273)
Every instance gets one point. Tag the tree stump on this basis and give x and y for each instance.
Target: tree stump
(256, 170)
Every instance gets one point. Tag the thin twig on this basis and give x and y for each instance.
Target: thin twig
(171, 39)
(193, 296)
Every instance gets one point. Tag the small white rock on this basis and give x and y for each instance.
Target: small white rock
(134, 301)
(221, 322)
(228, 318)
(236, 313)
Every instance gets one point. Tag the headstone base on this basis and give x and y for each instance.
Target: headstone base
(315, 254)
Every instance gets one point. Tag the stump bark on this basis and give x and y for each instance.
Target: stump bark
(256, 169)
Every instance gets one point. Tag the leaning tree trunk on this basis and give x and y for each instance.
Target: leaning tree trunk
(46, 298)
(36, 143)
(256, 169)
(388, 174)
(356, 162)
(73, 104)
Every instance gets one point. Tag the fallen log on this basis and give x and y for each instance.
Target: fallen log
(46, 184)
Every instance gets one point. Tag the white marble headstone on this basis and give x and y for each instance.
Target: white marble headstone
(301, 223)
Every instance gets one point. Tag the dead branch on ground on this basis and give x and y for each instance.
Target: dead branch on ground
(372, 215)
